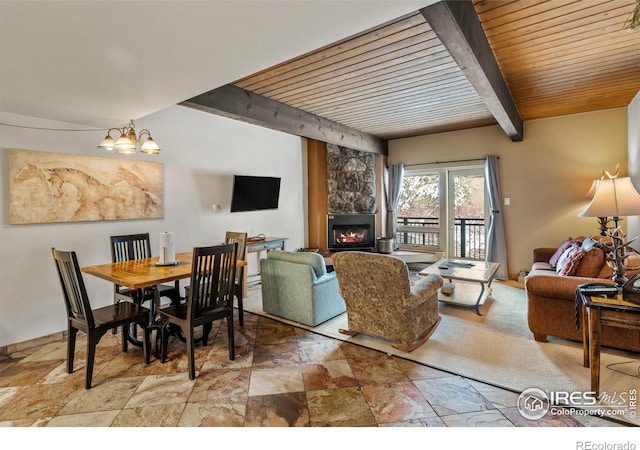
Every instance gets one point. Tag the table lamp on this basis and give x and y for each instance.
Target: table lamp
(615, 197)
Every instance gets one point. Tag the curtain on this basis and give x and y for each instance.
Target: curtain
(394, 188)
(496, 250)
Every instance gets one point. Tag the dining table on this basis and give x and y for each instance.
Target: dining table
(146, 273)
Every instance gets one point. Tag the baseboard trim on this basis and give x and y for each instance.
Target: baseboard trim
(31, 343)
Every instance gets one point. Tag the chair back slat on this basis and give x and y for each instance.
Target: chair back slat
(73, 288)
(235, 237)
(131, 246)
(212, 278)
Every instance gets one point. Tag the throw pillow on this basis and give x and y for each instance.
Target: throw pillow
(556, 256)
(571, 262)
(562, 261)
(591, 263)
(589, 243)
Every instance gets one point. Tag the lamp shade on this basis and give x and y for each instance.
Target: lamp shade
(613, 197)
(150, 147)
(592, 189)
(107, 143)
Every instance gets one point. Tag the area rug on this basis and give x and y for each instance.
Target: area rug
(497, 348)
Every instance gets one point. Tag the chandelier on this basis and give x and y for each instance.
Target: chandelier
(128, 141)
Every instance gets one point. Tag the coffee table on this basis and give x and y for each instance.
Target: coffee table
(470, 272)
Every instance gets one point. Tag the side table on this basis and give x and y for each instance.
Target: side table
(258, 246)
(597, 311)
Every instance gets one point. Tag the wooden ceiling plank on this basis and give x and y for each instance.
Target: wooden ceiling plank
(234, 102)
(458, 27)
(403, 125)
(359, 70)
(420, 36)
(382, 79)
(420, 106)
(590, 25)
(405, 133)
(366, 62)
(380, 73)
(516, 11)
(394, 27)
(378, 90)
(544, 69)
(494, 8)
(440, 92)
(384, 74)
(429, 118)
(594, 46)
(581, 89)
(584, 97)
(598, 78)
(572, 15)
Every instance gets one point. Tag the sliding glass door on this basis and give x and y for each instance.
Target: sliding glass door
(466, 212)
(443, 210)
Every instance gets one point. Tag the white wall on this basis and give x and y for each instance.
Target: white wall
(200, 152)
(633, 131)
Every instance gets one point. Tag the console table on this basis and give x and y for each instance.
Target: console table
(259, 246)
(596, 311)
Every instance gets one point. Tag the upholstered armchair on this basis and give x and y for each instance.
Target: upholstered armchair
(382, 302)
(297, 287)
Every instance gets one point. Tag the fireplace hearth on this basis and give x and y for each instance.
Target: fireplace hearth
(351, 232)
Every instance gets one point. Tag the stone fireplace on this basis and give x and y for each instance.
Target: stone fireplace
(343, 182)
(351, 232)
(351, 181)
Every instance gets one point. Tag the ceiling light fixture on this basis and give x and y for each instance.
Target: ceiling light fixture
(128, 141)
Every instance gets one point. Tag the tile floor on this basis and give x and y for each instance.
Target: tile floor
(282, 376)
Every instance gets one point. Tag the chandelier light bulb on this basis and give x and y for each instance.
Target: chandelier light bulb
(150, 147)
(107, 143)
(128, 141)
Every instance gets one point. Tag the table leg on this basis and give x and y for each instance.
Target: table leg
(477, 306)
(132, 330)
(594, 344)
(585, 335)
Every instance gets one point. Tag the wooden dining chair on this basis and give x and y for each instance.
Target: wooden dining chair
(94, 322)
(138, 246)
(239, 287)
(210, 298)
(234, 237)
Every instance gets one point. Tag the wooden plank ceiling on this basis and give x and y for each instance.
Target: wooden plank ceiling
(398, 80)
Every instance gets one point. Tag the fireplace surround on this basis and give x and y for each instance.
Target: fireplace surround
(351, 232)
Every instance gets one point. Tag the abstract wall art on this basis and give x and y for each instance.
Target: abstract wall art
(46, 187)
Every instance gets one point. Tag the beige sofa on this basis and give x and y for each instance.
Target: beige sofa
(551, 298)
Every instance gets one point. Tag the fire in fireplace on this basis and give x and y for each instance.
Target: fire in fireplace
(351, 231)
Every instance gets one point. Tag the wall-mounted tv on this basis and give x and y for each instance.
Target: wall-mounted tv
(252, 193)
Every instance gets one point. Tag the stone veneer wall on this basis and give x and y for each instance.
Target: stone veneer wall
(351, 181)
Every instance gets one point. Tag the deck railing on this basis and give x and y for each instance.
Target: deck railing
(469, 235)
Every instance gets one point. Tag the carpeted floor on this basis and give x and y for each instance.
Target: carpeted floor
(499, 349)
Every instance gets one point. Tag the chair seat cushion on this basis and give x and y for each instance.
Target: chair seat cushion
(118, 313)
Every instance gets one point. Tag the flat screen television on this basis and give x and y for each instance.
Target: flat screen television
(252, 193)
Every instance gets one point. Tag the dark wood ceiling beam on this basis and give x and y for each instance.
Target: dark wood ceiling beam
(236, 103)
(457, 25)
